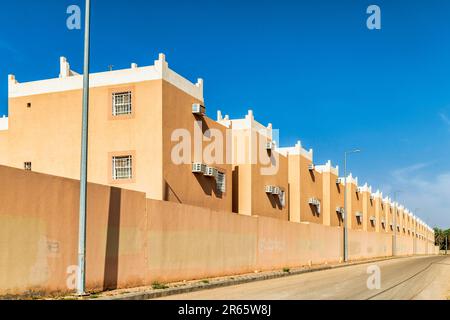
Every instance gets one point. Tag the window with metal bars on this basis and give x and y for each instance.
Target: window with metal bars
(122, 167)
(27, 166)
(121, 103)
(221, 182)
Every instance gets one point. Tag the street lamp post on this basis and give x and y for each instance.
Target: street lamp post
(81, 279)
(345, 204)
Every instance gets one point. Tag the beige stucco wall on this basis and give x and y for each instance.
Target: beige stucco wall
(355, 204)
(39, 234)
(304, 184)
(134, 241)
(180, 184)
(369, 244)
(333, 198)
(254, 168)
(369, 210)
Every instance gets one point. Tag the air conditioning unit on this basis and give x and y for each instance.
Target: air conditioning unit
(270, 146)
(358, 190)
(198, 168)
(371, 197)
(373, 219)
(314, 202)
(276, 191)
(311, 167)
(198, 109)
(269, 189)
(339, 181)
(341, 211)
(359, 214)
(211, 172)
(383, 222)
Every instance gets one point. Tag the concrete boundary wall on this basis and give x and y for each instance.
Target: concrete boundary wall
(133, 241)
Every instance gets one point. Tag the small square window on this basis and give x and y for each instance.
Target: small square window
(121, 103)
(27, 166)
(29, 105)
(122, 168)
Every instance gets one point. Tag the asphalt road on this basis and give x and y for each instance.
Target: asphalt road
(400, 279)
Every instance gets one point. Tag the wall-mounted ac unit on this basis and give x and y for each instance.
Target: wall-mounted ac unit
(198, 109)
(341, 211)
(314, 202)
(276, 191)
(358, 190)
(198, 168)
(383, 222)
(269, 189)
(372, 197)
(373, 219)
(311, 167)
(359, 214)
(339, 181)
(270, 146)
(211, 172)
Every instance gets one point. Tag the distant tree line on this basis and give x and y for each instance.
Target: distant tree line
(441, 236)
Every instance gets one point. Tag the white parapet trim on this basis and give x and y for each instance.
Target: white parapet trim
(246, 123)
(70, 80)
(3, 123)
(297, 150)
(366, 188)
(328, 167)
(378, 195)
(351, 179)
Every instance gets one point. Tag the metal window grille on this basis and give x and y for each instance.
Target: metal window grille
(122, 168)
(221, 182)
(121, 103)
(27, 166)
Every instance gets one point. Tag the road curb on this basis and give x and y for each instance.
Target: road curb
(237, 280)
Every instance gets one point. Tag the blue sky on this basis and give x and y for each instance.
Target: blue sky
(312, 68)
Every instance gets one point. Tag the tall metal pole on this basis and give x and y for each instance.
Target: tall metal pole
(345, 210)
(81, 279)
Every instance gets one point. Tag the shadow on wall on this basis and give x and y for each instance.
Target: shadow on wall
(111, 271)
(235, 198)
(274, 201)
(169, 193)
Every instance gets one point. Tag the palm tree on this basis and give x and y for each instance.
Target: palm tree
(439, 236)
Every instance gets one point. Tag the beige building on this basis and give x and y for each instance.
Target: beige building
(149, 132)
(260, 172)
(133, 118)
(357, 219)
(332, 195)
(305, 186)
